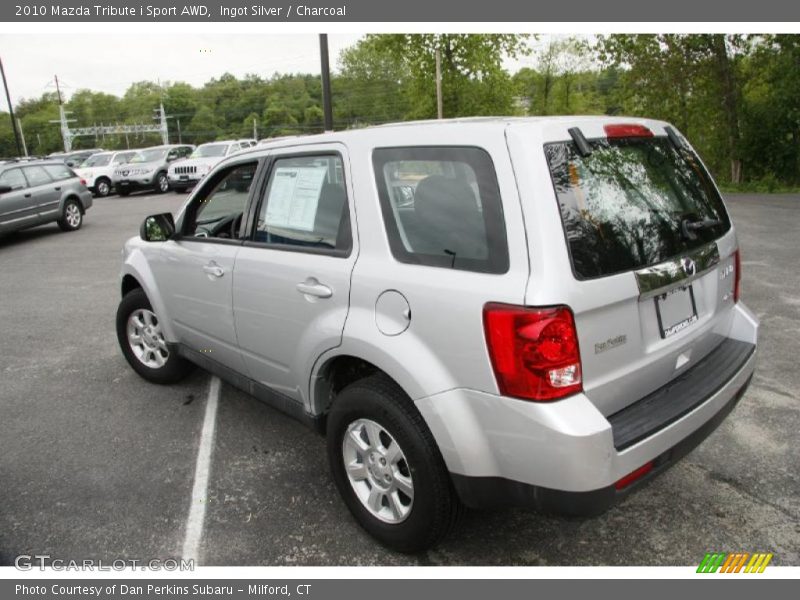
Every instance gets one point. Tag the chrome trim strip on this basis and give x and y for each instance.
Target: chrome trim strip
(659, 278)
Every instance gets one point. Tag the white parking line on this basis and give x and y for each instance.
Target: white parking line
(197, 510)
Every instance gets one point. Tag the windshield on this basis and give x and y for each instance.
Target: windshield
(97, 160)
(152, 155)
(633, 203)
(209, 150)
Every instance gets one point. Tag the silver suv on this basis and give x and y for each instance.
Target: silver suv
(37, 192)
(485, 312)
(147, 170)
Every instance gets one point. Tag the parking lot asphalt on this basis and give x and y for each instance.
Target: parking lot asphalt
(97, 463)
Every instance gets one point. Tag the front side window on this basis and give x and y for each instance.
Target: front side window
(153, 155)
(123, 158)
(218, 212)
(632, 203)
(14, 179)
(97, 160)
(305, 205)
(37, 176)
(442, 207)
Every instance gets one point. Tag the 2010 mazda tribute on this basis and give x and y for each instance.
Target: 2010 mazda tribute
(481, 312)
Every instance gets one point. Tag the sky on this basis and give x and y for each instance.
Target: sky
(110, 63)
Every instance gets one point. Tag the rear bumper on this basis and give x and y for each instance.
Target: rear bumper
(87, 200)
(566, 456)
(497, 492)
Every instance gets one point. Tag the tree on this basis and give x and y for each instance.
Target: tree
(473, 80)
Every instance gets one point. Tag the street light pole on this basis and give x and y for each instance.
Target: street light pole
(11, 110)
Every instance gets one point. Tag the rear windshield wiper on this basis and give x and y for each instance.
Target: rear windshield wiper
(688, 228)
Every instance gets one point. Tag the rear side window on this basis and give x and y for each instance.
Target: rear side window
(442, 207)
(37, 176)
(632, 203)
(59, 172)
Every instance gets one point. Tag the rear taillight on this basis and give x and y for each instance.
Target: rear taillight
(534, 351)
(626, 130)
(737, 275)
(83, 182)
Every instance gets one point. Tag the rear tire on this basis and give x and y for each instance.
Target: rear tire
(72, 217)
(124, 192)
(141, 340)
(179, 190)
(388, 468)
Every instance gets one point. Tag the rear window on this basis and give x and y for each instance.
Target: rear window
(442, 207)
(633, 203)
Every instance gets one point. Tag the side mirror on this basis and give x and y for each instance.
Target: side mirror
(172, 157)
(4, 189)
(157, 228)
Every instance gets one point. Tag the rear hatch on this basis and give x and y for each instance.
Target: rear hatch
(650, 248)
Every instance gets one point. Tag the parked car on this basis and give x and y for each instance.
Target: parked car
(527, 312)
(33, 193)
(98, 170)
(147, 170)
(185, 174)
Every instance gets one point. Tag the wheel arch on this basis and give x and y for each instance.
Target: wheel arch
(136, 274)
(71, 196)
(334, 371)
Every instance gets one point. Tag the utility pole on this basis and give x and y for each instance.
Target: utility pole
(22, 137)
(326, 81)
(58, 90)
(178, 123)
(255, 130)
(11, 110)
(62, 114)
(439, 109)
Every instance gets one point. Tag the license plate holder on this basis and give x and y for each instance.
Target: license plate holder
(183, 177)
(676, 310)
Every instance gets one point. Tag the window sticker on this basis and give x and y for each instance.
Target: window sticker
(294, 197)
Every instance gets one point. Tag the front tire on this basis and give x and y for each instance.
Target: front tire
(142, 342)
(162, 183)
(388, 468)
(72, 217)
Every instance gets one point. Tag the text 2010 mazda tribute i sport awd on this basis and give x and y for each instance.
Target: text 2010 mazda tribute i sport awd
(482, 312)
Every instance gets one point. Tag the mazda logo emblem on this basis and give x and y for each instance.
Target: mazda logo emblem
(688, 266)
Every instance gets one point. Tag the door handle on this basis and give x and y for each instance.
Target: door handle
(27, 195)
(213, 269)
(58, 189)
(312, 287)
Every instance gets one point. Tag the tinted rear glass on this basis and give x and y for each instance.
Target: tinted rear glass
(633, 203)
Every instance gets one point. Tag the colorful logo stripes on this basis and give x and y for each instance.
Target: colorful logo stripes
(734, 563)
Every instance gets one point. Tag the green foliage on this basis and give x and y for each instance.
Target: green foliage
(736, 97)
